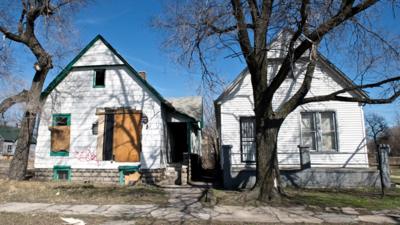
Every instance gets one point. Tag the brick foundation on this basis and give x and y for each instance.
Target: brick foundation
(149, 176)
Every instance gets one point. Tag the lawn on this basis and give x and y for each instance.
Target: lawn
(78, 193)
(369, 199)
(395, 176)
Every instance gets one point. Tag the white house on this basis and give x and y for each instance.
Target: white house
(334, 131)
(9, 140)
(101, 119)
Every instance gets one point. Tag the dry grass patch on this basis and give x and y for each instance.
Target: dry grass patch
(369, 199)
(77, 193)
(45, 219)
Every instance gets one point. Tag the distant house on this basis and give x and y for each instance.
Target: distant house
(9, 139)
(332, 131)
(102, 120)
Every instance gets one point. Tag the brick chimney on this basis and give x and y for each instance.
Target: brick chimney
(143, 75)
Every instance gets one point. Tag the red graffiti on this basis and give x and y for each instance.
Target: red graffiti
(87, 155)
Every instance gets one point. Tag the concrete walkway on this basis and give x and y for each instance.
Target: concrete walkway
(183, 205)
(195, 211)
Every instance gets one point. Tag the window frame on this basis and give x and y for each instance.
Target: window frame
(9, 149)
(54, 116)
(58, 168)
(319, 133)
(241, 119)
(95, 85)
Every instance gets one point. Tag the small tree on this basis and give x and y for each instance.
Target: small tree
(47, 17)
(198, 30)
(377, 128)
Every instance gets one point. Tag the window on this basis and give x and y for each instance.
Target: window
(247, 139)
(9, 148)
(62, 173)
(99, 80)
(318, 131)
(60, 135)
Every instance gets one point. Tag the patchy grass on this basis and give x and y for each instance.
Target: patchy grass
(45, 219)
(51, 219)
(369, 199)
(358, 198)
(395, 176)
(76, 193)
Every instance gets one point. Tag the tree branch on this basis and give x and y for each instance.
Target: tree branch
(244, 39)
(10, 101)
(10, 35)
(335, 95)
(344, 13)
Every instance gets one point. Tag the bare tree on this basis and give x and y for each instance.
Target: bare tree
(377, 127)
(198, 30)
(27, 22)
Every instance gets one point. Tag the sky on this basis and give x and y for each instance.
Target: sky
(125, 24)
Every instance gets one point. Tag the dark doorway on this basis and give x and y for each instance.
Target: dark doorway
(178, 141)
(108, 137)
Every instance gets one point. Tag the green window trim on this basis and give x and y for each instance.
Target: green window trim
(67, 115)
(94, 78)
(58, 168)
(59, 153)
(124, 170)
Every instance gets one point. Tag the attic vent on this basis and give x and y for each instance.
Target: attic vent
(142, 74)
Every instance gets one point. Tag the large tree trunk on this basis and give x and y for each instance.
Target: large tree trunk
(19, 163)
(268, 176)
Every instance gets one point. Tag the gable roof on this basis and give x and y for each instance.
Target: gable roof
(191, 106)
(321, 58)
(61, 76)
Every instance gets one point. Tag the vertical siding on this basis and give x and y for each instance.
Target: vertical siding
(76, 95)
(350, 122)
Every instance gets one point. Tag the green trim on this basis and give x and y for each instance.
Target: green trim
(58, 168)
(126, 169)
(61, 76)
(70, 66)
(59, 153)
(94, 79)
(68, 115)
(102, 66)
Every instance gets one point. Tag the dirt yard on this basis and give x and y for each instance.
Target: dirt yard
(77, 193)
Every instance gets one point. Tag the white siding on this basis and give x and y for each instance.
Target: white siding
(76, 95)
(98, 54)
(350, 122)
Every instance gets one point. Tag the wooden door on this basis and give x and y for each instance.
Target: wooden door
(126, 137)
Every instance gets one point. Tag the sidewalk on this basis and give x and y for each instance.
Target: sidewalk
(183, 205)
(195, 211)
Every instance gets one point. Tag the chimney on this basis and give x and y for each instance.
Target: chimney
(143, 75)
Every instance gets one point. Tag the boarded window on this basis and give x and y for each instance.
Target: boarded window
(60, 133)
(318, 131)
(99, 78)
(247, 139)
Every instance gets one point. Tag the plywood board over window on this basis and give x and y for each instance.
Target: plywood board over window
(126, 137)
(60, 134)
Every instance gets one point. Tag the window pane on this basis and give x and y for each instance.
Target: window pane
(328, 141)
(248, 146)
(327, 122)
(62, 174)
(307, 122)
(308, 140)
(60, 121)
(100, 78)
